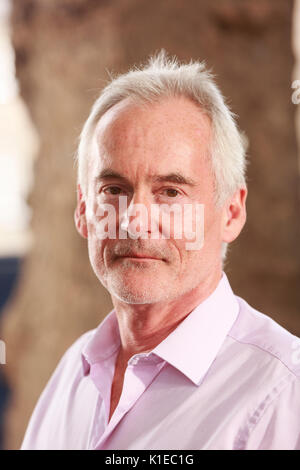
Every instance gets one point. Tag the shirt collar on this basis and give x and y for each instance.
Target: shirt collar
(194, 344)
(191, 347)
(104, 342)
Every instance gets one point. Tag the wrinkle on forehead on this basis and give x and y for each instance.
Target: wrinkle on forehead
(148, 126)
(187, 114)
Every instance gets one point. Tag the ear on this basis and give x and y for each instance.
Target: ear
(79, 214)
(234, 215)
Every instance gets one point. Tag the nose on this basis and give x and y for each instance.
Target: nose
(138, 218)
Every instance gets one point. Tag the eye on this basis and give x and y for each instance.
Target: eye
(112, 190)
(171, 192)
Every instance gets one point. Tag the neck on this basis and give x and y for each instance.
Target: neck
(144, 326)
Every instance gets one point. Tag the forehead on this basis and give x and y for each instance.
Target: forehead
(172, 131)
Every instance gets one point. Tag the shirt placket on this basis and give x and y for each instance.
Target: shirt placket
(140, 372)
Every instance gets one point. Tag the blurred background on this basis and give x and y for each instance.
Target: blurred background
(54, 59)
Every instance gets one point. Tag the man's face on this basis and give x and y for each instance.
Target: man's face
(153, 155)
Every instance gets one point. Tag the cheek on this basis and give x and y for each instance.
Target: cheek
(183, 222)
(213, 223)
(96, 251)
(201, 238)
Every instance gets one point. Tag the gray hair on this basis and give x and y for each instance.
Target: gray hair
(161, 77)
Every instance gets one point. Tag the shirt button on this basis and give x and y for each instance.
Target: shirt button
(133, 361)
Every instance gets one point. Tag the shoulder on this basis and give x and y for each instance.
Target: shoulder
(269, 356)
(268, 341)
(69, 367)
(56, 400)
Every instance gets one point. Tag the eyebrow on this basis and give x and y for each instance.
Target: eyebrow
(176, 177)
(109, 174)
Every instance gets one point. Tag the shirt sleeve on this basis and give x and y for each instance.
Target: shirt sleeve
(278, 426)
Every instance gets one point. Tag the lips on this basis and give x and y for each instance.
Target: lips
(138, 255)
(137, 251)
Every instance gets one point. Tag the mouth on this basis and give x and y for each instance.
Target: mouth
(140, 257)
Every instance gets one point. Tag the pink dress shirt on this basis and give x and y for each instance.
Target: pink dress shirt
(228, 377)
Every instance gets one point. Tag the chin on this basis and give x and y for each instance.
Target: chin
(135, 298)
(136, 293)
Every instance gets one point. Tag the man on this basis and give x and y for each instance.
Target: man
(180, 362)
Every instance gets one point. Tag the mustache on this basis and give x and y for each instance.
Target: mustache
(139, 247)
